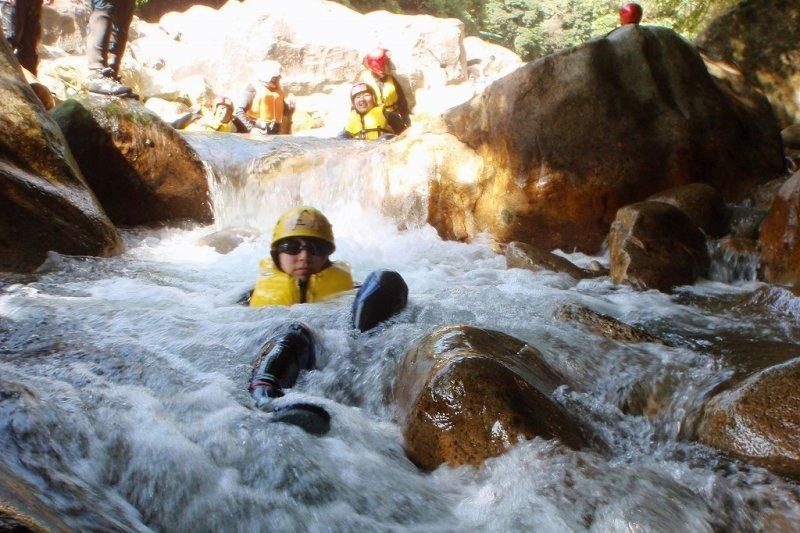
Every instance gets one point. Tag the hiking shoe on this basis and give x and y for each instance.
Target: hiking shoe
(100, 84)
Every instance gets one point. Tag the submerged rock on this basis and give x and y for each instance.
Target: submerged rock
(141, 170)
(780, 235)
(761, 37)
(702, 203)
(227, 240)
(44, 201)
(604, 325)
(654, 245)
(529, 257)
(553, 181)
(466, 394)
(759, 420)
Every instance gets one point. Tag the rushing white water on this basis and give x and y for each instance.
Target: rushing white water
(123, 382)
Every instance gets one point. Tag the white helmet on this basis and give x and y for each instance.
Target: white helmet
(269, 70)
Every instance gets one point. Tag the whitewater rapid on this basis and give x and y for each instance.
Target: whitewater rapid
(123, 388)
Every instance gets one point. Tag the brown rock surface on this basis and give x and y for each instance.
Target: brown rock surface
(791, 136)
(702, 203)
(228, 239)
(571, 137)
(466, 394)
(604, 325)
(761, 37)
(141, 170)
(44, 201)
(780, 235)
(654, 245)
(759, 420)
(529, 257)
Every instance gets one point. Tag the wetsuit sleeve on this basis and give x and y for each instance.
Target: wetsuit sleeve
(243, 104)
(395, 121)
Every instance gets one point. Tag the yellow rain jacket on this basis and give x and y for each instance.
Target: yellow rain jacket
(267, 105)
(275, 287)
(385, 91)
(209, 122)
(369, 126)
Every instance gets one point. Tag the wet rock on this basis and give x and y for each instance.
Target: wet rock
(20, 509)
(654, 245)
(780, 235)
(141, 170)
(311, 418)
(552, 181)
(761, 37)
(604, 325)
(745, 221)
(734, 259)
(46, 204)
(791, 137)
(227, 240)
(759, 420)
(702, 203)
(466, 394)
(64, 24)
(166, 110)
(529, 257)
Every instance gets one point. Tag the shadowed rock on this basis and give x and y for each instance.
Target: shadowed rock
(141, 170)
(654, 245)
(465, 394)
(702, 203)
(529, 257)
(572, 137)
(44, 201)
(759, 420)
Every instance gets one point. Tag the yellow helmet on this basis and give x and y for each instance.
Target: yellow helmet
(303, 221)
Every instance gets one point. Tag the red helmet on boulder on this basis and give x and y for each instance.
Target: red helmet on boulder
(630, 13)
(377, 61)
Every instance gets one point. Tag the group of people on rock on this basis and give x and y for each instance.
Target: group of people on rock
(379, 108)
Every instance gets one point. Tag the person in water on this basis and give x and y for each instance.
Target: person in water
(368, 121)
(388, 92)
(299, 270)
(264, 109)
(221, 119)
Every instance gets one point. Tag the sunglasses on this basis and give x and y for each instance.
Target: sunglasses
(295, 246)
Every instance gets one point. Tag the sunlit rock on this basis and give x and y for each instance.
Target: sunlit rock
(759, 420)
(654, 245)
(702, 203)
(521, 255)
(227, 240)
(166, 110)
(466, 394)
(780, 235)
(141, 170)
(489, 61)
(64, 25)
(761, 36)
(46, 204)
(571, 137)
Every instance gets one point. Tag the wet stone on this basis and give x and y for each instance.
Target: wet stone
(604, 325)
(533, 258)
(227, 240)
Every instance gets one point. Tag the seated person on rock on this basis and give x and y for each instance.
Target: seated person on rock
(368, 121)
(264, 109)
(221, 119)
(388, 92)
(299, 270)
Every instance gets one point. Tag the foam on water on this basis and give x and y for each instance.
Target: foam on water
(123, 389)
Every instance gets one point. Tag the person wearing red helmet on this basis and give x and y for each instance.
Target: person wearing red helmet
(630, 13)
(220, 119)
(388, 92)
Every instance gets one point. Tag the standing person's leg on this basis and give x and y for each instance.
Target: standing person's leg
(121, 22)
(27, 49)
(12, 21)
(97, 38)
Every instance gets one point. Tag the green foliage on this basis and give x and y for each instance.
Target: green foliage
(533, 28)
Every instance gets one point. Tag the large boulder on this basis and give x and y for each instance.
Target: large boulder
(761, 36)
(141, 170)
(573, 136)
(759, 420)
(44, 201)
(780, 235)
(701, 203)
(465, 394)
(654, 245)
(529, 257)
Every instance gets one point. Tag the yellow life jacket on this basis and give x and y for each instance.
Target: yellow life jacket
(385, 91)
(369, 126)
(267, 104)
(275, 287)
(209, 122)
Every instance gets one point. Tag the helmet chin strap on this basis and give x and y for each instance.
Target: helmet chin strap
(302, 283)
